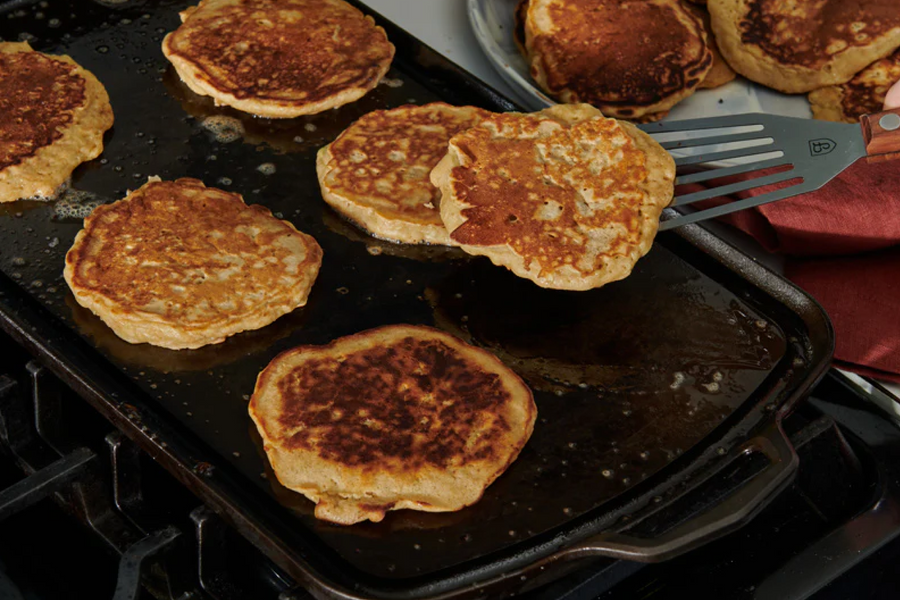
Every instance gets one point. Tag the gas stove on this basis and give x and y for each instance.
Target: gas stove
(85, 514)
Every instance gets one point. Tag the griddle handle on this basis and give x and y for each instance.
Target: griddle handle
(725, 516)
(737, 508)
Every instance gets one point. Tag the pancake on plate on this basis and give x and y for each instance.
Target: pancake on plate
(376, 172)
(279, 58)
(862, 95)
(720, 73)
(796, 47)
(396, 417)
(52, 117)
(180, 265)
(565, 197)
(629, 58)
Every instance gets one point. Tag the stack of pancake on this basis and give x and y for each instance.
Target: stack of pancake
(635, 59)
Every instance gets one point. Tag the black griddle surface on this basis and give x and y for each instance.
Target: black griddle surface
(626, 378)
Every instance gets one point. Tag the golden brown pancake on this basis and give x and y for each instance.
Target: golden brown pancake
(798, 46)
(720, 73)
(180, 265)
(376, 172)
(395, 417)
(52, 117)
(279, 58)
(565, 198)
(629, 58)
(862, 95)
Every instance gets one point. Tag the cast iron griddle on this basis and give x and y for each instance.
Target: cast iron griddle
(628, 378)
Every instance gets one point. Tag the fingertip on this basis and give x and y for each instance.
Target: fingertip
(892, 100)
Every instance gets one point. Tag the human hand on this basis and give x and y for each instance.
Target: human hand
(892, 100)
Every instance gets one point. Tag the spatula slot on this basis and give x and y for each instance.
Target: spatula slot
(738, 186)
(736, 156)
(748, 119)
(674, 136)
(790, 187)
(711, 175)
(725, 142)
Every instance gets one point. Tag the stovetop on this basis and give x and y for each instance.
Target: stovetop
(833, 534)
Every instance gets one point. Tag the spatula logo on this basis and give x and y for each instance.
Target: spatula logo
(821, 147)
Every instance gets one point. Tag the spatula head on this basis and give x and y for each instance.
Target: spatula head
(770, 156)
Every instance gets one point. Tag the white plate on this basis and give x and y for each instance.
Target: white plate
(493, 22)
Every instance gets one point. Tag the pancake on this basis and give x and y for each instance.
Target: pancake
(52, 117)
(862, 95)
(395, 417)
(180, 265)
(796, 47)
(279, 59)
(720, 73)
(629, 58)
(569, 203)
(376, 172)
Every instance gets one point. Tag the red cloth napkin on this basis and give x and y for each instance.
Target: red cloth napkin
(843, 247)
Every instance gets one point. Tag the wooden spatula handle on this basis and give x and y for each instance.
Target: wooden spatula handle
(882, 132)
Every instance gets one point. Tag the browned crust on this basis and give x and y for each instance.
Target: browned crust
(814, 45)
(279, 59)
(376, 172)
(629, 59)
(53, 114)
(35, 119)
(720, 73)
(563, 227)
(347, 490)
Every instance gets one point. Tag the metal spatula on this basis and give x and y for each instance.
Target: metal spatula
(798, 155)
